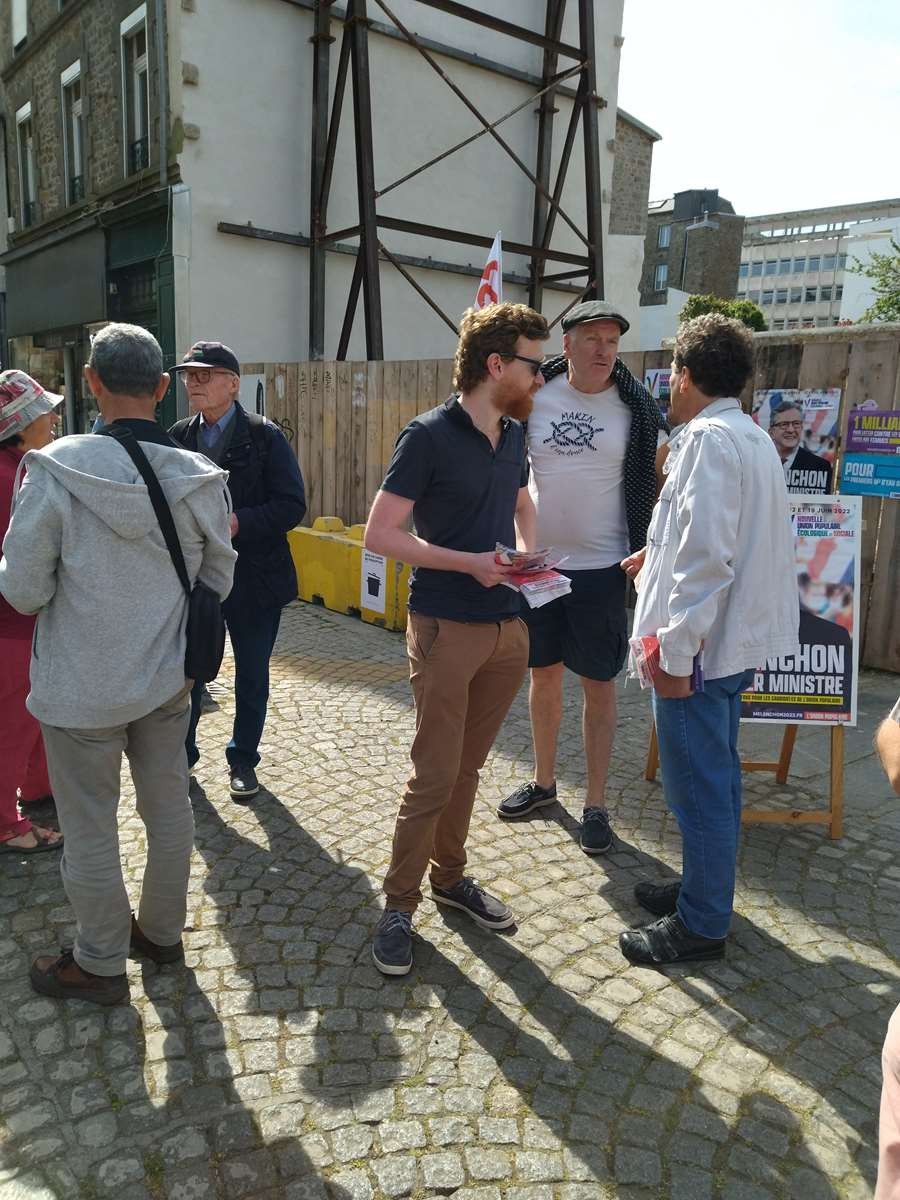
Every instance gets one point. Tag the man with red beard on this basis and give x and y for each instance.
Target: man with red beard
(460, 471)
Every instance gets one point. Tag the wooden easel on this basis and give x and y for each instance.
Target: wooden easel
(833, 816)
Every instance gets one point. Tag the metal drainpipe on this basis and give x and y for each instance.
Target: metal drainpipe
(162, 68)
(9, 211)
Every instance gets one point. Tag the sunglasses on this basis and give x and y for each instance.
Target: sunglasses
(536, 364)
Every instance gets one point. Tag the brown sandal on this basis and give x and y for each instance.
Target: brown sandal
(43, 842)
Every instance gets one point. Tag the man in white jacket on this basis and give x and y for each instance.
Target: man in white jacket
(717, 575)
(84, 551)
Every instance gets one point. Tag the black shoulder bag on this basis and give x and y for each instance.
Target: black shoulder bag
(205, 624)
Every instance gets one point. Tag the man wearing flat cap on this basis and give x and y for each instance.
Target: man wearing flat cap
(592, 441)
(268, 499)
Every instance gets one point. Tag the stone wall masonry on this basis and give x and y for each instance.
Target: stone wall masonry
(631, 179)
(712, 259)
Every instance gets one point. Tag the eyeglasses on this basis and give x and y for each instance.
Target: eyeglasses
(203, 374)
(786, 425)
(536, 364)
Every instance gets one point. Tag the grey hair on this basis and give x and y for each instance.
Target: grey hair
(128, 360)
(784, 406)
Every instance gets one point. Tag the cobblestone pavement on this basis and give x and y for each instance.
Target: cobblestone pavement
(533, 1066)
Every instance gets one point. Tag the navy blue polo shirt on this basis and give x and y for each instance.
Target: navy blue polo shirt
(464, 495)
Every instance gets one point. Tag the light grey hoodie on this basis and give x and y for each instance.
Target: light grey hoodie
(84, 550)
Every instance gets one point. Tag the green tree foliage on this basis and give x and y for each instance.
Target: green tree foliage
(741, 310)
(884, 271)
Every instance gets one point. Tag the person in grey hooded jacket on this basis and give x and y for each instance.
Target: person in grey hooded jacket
(85, 552)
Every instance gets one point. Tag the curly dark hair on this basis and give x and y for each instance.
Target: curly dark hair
(718, 352)
(492, 330)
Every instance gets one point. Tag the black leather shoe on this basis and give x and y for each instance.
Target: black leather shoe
(142, 947)
(526, 799)
(668, 940)
(244, 784)
(658, 898)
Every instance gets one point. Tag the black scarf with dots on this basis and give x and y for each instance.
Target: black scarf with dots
(640, 456)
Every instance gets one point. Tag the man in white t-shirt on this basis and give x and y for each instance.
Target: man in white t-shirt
(592, 441)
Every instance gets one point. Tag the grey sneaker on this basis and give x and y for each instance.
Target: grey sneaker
(484, 909)
(596, 835)
(392, 946)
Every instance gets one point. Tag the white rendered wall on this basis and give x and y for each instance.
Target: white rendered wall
(858, 294)
(250, 163)
(660, 321)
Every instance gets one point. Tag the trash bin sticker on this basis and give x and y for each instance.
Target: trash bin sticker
(373, 582)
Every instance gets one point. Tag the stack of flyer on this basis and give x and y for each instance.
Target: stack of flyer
(534, 577)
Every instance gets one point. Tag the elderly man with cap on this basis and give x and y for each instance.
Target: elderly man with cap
(28, 417)
(268, 500)
(592, 442)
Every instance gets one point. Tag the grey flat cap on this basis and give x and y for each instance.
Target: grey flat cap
(594, 310)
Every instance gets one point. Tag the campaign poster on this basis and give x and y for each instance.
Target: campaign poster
(870, 465)
(803, 424)
(820, 682)
(656, 381)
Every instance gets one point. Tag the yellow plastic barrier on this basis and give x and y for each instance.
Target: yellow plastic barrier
(328, 560)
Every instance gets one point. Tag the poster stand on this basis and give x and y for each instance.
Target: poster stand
(833, 816)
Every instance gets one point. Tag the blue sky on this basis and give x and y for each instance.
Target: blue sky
(780, 104)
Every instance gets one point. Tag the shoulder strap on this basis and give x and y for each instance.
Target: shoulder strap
(258, 435)
(131, 446)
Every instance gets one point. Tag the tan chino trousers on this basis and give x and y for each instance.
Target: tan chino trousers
(464, 677)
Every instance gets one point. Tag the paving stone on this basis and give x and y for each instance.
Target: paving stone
(488, 1164)
(443, 1170)
(396, 1174)
(638, 1166)
(353, 1185)
(279, 1065)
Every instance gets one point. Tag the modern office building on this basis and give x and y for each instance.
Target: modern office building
(798, 266)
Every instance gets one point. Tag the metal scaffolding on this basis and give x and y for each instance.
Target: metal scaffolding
(353, 60)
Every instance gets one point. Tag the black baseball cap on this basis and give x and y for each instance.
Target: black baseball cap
(210, 354)
(594, 310)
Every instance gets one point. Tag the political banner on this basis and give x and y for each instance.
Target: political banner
(820, 682)
(656, 381)
(870, 465)
(803, 424)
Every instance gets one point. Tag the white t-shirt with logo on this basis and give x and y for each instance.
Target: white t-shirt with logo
(577, 444)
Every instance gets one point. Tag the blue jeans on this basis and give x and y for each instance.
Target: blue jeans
(701, 772)
(253, 633)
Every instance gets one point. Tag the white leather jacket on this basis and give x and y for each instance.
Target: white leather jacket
(720, 567)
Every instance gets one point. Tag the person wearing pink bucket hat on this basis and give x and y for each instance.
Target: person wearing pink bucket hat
(28, 418)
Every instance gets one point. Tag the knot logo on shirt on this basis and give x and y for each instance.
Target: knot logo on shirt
(573, 433)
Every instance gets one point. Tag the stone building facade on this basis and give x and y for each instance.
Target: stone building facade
(692, 243)
(80, 95)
